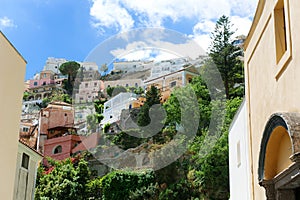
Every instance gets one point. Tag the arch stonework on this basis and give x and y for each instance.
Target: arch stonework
(285, 184)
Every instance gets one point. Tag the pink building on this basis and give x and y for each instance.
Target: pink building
(41, 82)
(60, 148)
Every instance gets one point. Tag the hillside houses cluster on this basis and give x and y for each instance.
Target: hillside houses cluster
(58, 129)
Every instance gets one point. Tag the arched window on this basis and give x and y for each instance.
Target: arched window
(57, 149)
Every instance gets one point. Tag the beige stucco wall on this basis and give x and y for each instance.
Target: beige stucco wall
(12, 71)
(270, 87)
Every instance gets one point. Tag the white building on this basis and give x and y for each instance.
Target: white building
(239, 159)
(28, 160)
(132, 66)
(124, 83)
(168, 66)
(114, 106)
(31, 107)
(53, 64)
(89, 66)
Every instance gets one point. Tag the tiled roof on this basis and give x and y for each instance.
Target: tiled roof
(27, 145)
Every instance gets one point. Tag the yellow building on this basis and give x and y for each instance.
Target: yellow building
(12, 73)
(167, 82)
(272, 69)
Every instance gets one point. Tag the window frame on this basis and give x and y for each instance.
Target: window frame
(56, 147)
(282, 62)
(25, 161)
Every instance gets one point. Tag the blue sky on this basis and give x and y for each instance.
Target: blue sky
(72, 29)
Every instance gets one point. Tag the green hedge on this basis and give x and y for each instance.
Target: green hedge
(118, 185)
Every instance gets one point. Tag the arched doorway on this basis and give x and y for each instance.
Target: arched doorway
(279, 159)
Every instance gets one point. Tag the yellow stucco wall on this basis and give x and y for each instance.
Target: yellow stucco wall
(270, 87)
(279, 150)
(12, 71)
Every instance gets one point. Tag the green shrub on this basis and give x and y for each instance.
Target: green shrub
(118, 185)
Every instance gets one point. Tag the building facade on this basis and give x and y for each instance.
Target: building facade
(167, 82)
(124, 83)
(272, 98)
(239, 159)
(113, 107)
(61, 148)
(132, 66)
(55, 120)
(12, 70)
(26, 171)
(88, 91)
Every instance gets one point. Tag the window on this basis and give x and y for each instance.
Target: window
(173, 84)
(136, 84)
(25, 160)
(57, 149)
(86, 85)
(35, 83)
(45, 75)
(126, 85)
(238, 154)
(280, 30)
(95, 84)
(25, 129)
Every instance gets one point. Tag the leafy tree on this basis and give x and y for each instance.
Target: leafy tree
(69, 68)
(173, 107)
(211, 169)
(106, 127)
(118, 185)
(226, 56)
(150, 192)
(125, 141)
(93, 120)
(65, 181)
(113, 91)
(138, 90)
(99, 105)
(56, 95)
(26, 96)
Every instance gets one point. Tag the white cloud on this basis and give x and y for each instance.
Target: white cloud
(202, 40)
(5, 22)
(204, 27)
(144, 50)
(126, 14)
(109, 14)
(241, 25)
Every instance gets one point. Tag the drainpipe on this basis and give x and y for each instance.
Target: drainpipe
(39, 132)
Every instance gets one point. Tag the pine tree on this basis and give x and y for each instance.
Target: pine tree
(152, 98)
(226, 56)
